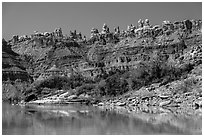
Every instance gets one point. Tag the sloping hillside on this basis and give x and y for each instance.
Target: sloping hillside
(41, 57)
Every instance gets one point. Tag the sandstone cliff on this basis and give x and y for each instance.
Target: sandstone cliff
(113, 64)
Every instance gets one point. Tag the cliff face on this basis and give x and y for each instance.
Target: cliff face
(42, 51)
(41, 57)
(15, 78)
(13, 66)
(137, 58)
(126, 54)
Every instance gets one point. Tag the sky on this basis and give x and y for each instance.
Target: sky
(20, 18)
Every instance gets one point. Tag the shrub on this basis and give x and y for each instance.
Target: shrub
(86, 88)
(57, 83)
(114, 85)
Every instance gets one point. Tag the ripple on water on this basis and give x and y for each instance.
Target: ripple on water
(80, 119)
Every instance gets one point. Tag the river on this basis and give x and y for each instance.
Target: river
(82, 119)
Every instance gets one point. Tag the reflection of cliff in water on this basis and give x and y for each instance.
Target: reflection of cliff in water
(13, 117)
(106, 122)
(87, 120)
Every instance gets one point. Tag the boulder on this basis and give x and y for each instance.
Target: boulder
(163, 96)
(30, 97)
(131, 98)
(115, 101)
(100, 104)
(72, 97)
(84, 96)
(164, 103)
(198, 104)
(120, 104)
(64, 95)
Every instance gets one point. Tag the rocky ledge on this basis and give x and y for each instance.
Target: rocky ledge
(62, 97)
(182, 96)
(177, 97)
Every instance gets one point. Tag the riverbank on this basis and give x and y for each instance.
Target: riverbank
(182, 96)
(146, 105)
(177, 104)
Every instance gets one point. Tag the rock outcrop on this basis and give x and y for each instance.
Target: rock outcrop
(13, 67)
(175, 46)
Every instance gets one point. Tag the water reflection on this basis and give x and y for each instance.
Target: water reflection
(79, 119)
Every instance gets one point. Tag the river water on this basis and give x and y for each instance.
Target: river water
(81, 119)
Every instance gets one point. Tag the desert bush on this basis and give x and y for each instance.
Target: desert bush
(86, 88)
(114, 85)
(56, 82)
